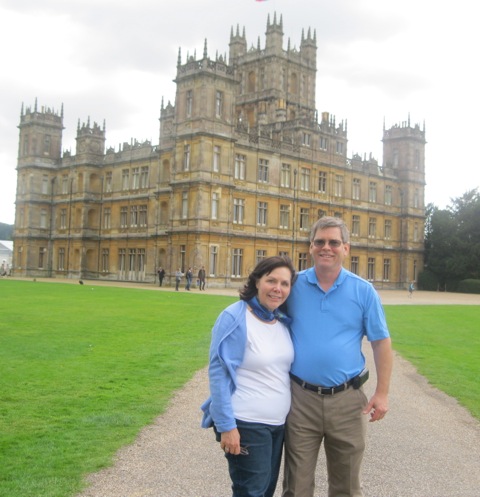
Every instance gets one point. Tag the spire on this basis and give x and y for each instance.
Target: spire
(35, 108)
(179, 59)
(61, 111)
(205, 52)
(21, 111)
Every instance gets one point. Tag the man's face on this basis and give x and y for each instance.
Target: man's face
(327, 249)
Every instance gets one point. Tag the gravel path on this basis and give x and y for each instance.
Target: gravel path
(427, 446)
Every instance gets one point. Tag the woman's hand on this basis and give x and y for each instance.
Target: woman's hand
(230, 442)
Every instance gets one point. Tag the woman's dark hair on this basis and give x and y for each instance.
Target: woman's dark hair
(265, 266)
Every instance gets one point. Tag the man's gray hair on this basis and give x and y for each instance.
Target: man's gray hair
(331, 222)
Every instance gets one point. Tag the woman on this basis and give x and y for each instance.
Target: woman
(250, 357)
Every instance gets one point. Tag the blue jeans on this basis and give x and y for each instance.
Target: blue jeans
(256, 474)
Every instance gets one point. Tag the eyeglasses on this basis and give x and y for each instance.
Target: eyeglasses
(243, 451)
(320, 243)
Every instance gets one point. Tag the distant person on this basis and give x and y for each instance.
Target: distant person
(332, 311)
(411, 289)
(178, 278)
(201, 278)
(250, 357)
(161, 275)
(189, 278)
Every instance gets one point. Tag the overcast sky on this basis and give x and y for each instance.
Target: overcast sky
(377, 60)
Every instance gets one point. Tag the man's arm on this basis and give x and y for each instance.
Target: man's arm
(383, 357)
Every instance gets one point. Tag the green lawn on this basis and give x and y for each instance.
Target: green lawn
(84, 368)
(443, 342)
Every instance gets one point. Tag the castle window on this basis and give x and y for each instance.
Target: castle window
(302, 261)
(215, 202)
(339, 147)
(184, 205)
(108, 181)
(25, 145)
(416, 159)
(213, 260)
(285, 176)
(105, 260)
(135, 178)
(251, 81)
(183, 257)
(107, 218)
(240, 162)
(304, 221)
(189, 102)
(186, 157)
(263, 171)
(356, 189)
(43, 218)
(41, 257)
(322, 182)
(372, 191)
(134, 216)
(372, 227)
(415, 232)
(123, 216)
(65, 184)
(388, 229)
(260, 255)
(122, 256)
(416, 199)
(218, 103)
(238, 210)
(305, 179)
(144, 177)
(386, 269)
(141, 260)
(61, 259)
(323, 144)
(284, 216)
(262, 213)
(396, 159)
(388, 194)
(44, 184)
(125, 179)
(338, 192)
(355, 225)
(371, 269)
(237, 262)
(216, 158)
(354, 264)
(142, 216)
(63, 219)
(46, 144)
(306, 139)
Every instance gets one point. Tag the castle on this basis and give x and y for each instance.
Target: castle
(243, 167)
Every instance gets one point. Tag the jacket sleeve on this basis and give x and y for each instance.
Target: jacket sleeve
(226, 354)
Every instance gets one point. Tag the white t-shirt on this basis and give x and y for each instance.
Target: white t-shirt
(263, 382)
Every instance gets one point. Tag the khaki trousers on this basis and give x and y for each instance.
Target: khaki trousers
(337, 420)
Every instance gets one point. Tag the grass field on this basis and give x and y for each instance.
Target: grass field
(84, 368)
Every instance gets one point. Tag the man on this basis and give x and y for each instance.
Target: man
(201, 278)
(332, 310)
(161, 275)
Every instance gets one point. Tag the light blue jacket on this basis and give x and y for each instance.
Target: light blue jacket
(229, 336)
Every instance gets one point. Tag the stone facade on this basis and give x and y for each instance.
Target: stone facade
(243, 167)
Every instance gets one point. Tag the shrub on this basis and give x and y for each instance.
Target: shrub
(469, 286)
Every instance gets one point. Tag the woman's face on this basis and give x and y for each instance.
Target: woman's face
(274, 288)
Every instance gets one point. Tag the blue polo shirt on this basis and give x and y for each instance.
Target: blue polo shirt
(328, 327)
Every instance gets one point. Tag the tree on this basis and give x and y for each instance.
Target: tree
(6, 231)
(452, 240)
